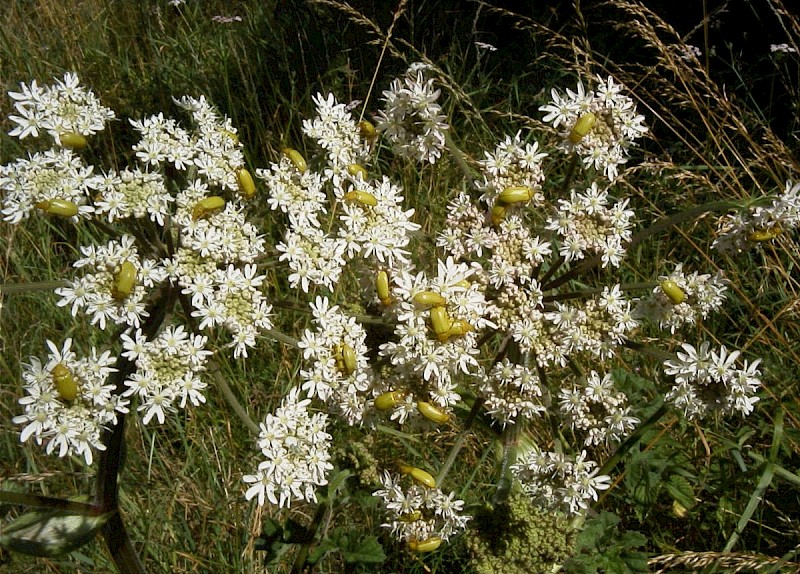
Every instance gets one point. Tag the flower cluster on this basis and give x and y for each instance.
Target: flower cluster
(513, 391)
(421, 515)
(411, 119)
(762, 223)
(600, 126)
(558, 481)
(513, 164)
(708, 381)
(295, 448)
(63, 110)
(68, 402)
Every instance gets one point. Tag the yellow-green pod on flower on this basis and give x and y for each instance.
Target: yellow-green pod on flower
(60, 207)
(296, 158)
(673, 292)
(247, 187)
(124, 282)
(346, 359)
(432, 412)
(498, 213)
(411, 516)
(418, 475)
(582, 127)
(515, 194)
(364, 198)
(429, 298)
(427, 545)
(761, 235)
(367, 130)
(357, 170)
(207, 206)
(440, 321)
(72, 140)
(459, 328)
(65, 384)
(389, 400)
(382, 287)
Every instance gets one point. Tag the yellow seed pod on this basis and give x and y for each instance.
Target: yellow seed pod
(440, 321)
(367, 130)
(582, 127)
(516, 194)
(459, 328)
(429, 298)
(207, 206)
(382, 287)
(498, 213)
(410, 517)
(247, 187)
(418, 475)
(296, 158)
(427, 545)
(432, 412)
(64, 382)
(72, 140)
(761, 235)
(673, 292)
(357, 170)
(124, 282)
(389, 400)
(363, 198)
(346, 359)
(60, 207)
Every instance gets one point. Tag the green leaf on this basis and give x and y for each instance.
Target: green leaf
(680, 490)
(364, 549)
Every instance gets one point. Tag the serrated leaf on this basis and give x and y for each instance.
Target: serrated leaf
(366, 549)
(681, 490)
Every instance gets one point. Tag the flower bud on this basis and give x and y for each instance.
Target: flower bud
(673, 292)
(429, 298)
(418, 475)
(296, 158)
(389, 400)
(207, 206)
(65, 384)
(363, 198)
(60, 207)
(427, 545)
(72, 140)
(432, 413)
(582, 127)
(516, 194)
(247, 187)
(124, 282)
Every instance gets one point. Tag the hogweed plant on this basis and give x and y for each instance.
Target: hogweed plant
(518, 321)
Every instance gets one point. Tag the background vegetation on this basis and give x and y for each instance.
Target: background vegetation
(722, 495)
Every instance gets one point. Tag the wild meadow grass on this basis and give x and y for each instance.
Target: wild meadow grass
(718, 494)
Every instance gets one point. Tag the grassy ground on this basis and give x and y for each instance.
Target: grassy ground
(714, 136)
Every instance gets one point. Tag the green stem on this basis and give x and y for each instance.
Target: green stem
(632, 439)
(459, 158)
(451, 457)
(29, 287)
(231, 399)
(49, 503)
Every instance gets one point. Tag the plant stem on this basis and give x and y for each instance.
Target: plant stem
(29, 287)
(231, 399)
(632, 439)
(458, 156)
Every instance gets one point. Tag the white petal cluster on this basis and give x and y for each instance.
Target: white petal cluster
(132, 193)
(65, 107)
(167, 372)
(558, 481)
(296, 454)
(513, 391)
(67, 426)
(616, 125)
(417, 513)
(513, 164)
(709, 381)
(411, 119)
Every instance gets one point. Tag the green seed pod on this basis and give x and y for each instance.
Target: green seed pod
(72, 140)
(367, 130)
(440, 321)
(498, 213)
(363, 198)
(296, 158)
(516, 194)
(389, 400)
(247, 187)
(357, 171)
(207, 207)
(65, 384)
(382, 287)
(432, 413)
(418, 475)
(582, 127)
(673, 292)
(429, 298)
(427, 545)
(60, 207)
(124, 282)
